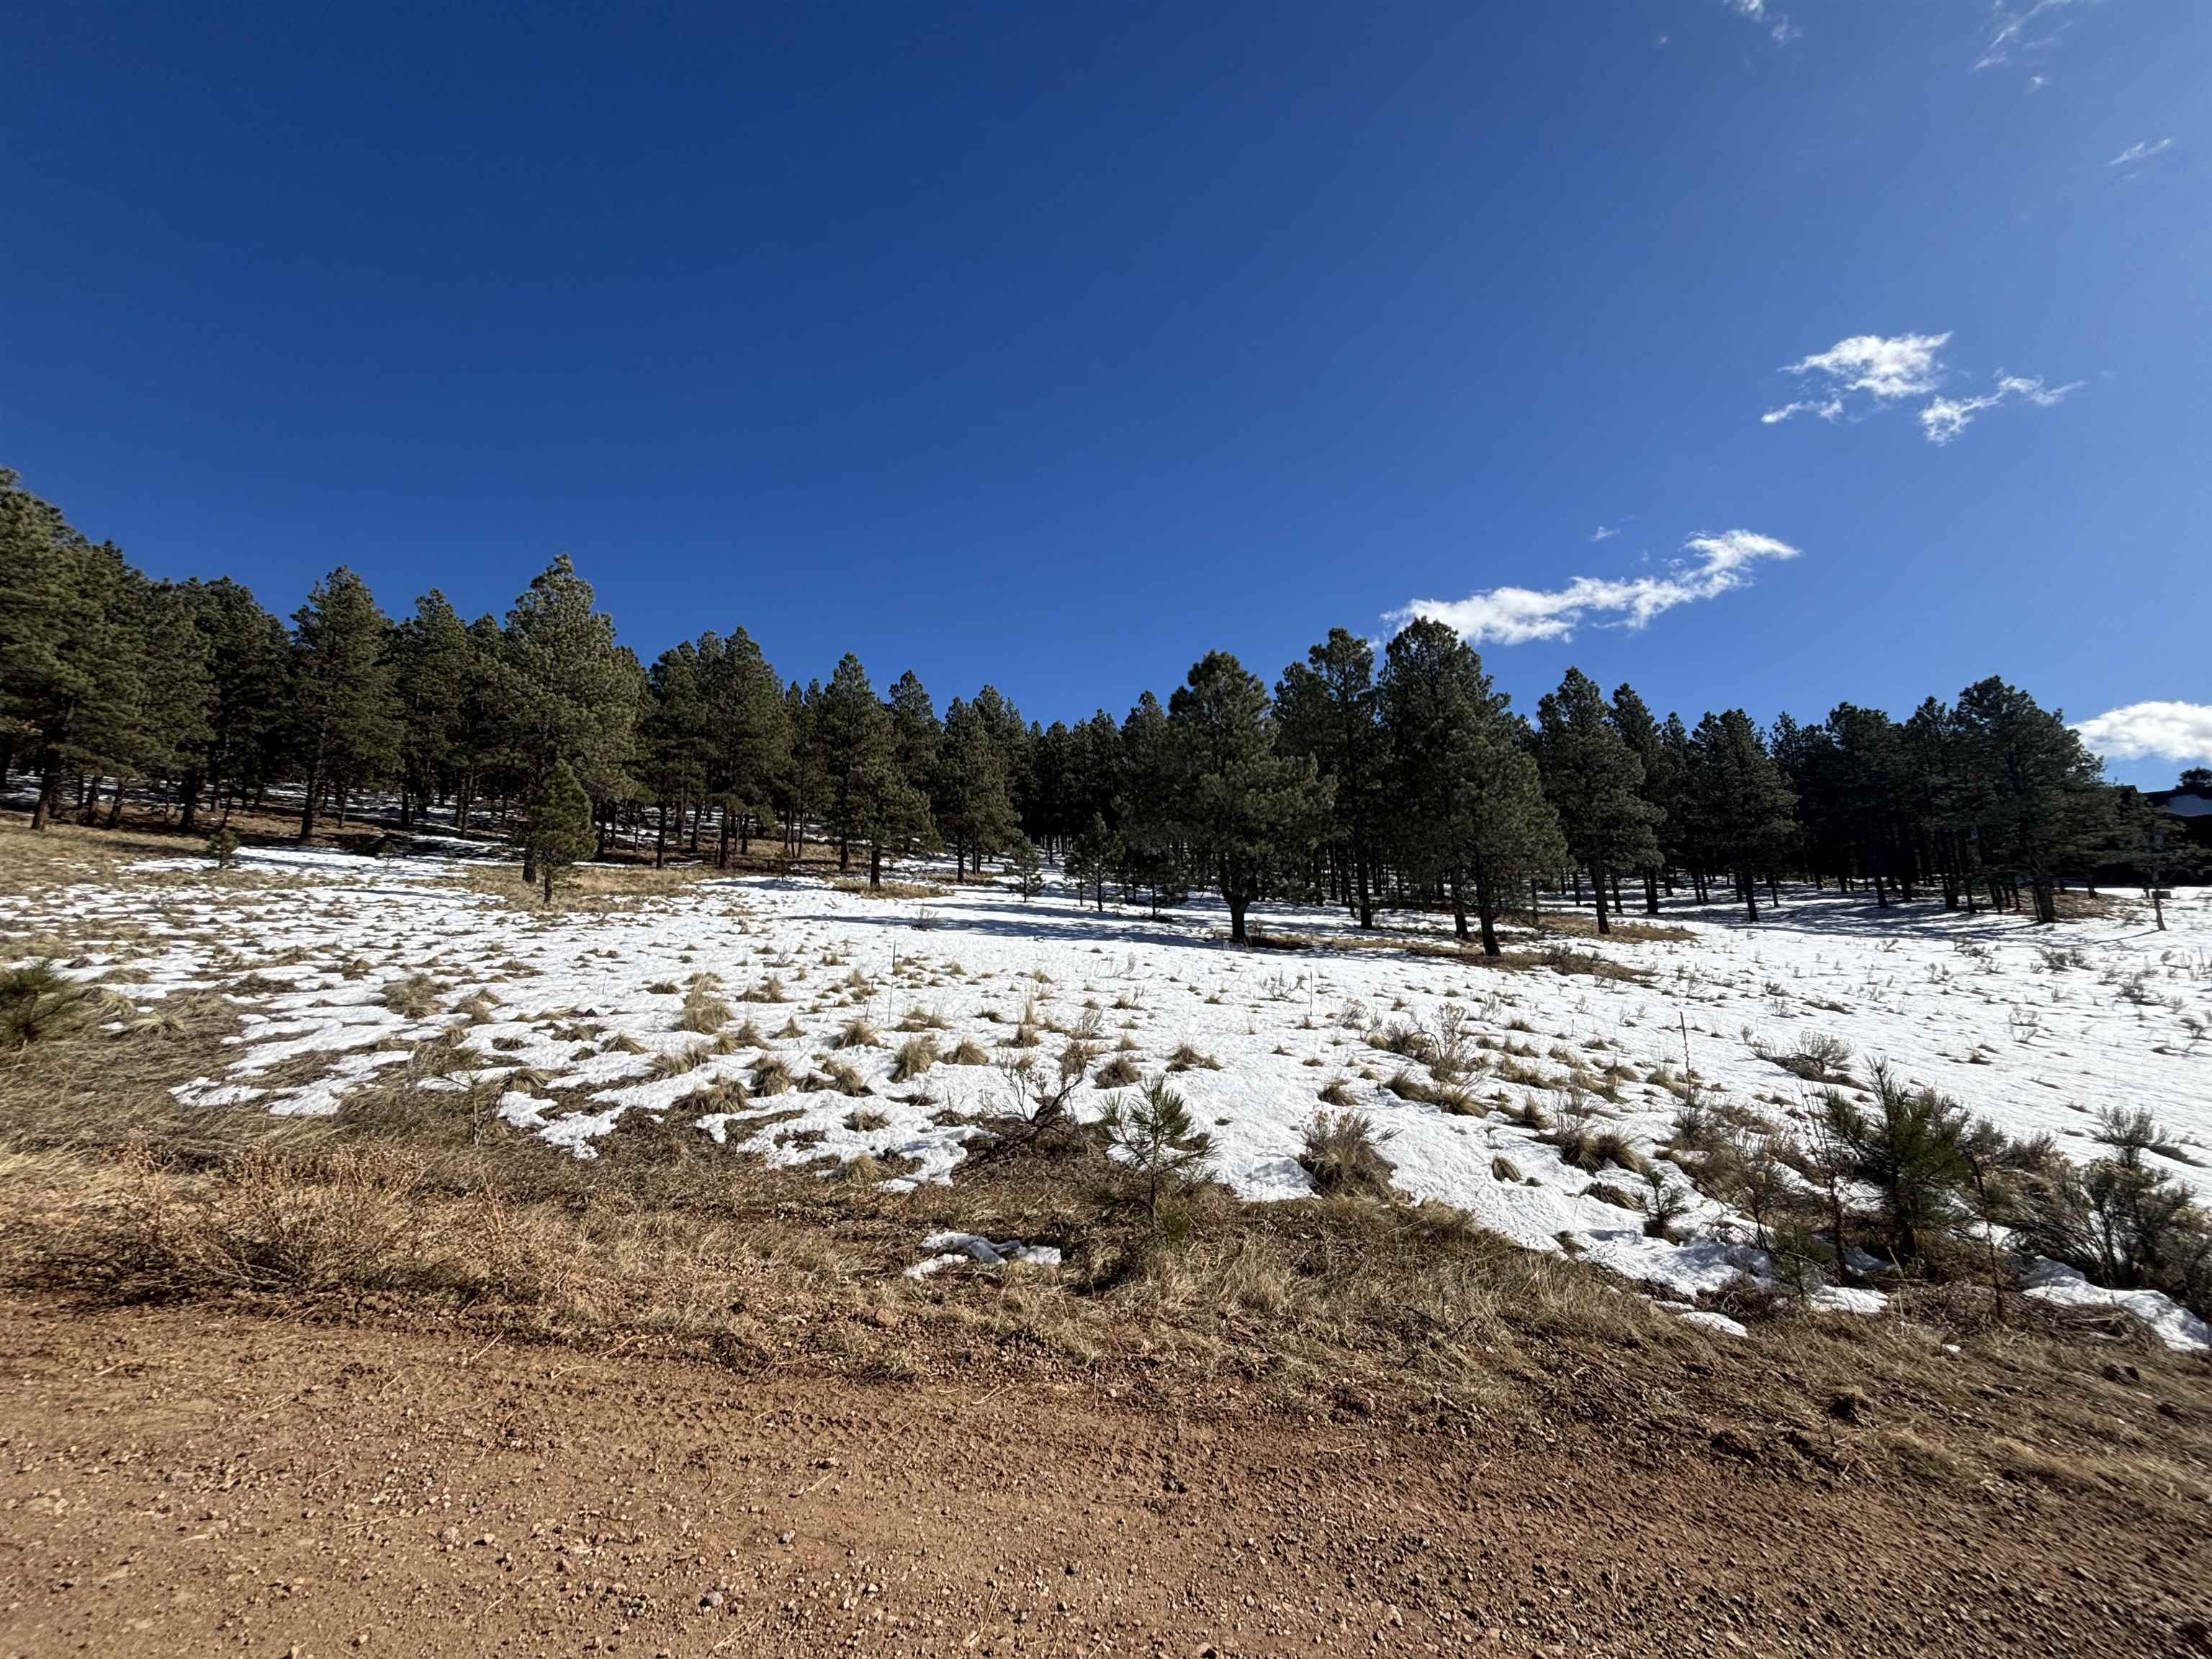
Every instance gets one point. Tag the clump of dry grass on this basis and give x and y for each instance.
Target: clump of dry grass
(967, 1052)
(836, 1075)
(769, 989)
(770, 1075)
(705, 1009)
(415, 997)
(915, 1056)
(856, 1033)
(1428, 1091)
(1342, 1153)
(867, 1120)
(1187, 1059)
(1118, 1072)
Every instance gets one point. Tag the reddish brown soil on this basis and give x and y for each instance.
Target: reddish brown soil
(189, 1482)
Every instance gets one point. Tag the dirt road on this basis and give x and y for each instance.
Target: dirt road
(188, 1482)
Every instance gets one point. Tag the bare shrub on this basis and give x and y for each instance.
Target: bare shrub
(415, 997)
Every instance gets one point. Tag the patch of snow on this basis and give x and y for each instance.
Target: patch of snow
(2169, 1321)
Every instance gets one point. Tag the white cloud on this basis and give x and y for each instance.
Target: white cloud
(2140, 152)
(2012, 34)
(1884, 366)
(1828, 408)
(1780, 27)
(1871, 372)
(1516, 616)
(1945, 418)
(1605, 532)
(2144, 730)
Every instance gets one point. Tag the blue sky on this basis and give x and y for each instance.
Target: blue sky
(1057, 345)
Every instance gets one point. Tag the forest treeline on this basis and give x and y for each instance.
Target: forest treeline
(1370, 781)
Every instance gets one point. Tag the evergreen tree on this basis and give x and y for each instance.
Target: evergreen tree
(1329, 711)
(1466, 804)
(974, 810)
(175, 683)
(248, 656)
(1249, 814)
(559, 832)
(1592, 779)
(345, 729)
(746, 733)
(1026, 866)
(568, 691)
(2035, 786)
(1093, 859)
(1156, 1139)
(1151, 841)
(431, 662)
(1742, 799)
(67, 688)
(1646, 739)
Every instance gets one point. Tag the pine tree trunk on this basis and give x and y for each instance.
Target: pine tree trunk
(1650, 892)
(45, 808)
(875, 864)
(1459, 906)
(660, 839)
(188, 801)
(115, 805)
(1597, 893)
(1750, 894)
(2046, 902)
(308, 806)
(1235, 918)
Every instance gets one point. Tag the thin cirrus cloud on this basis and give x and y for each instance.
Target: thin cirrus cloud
(2152, 731)
(2140, 152)
(1945, 418)
(1715, 564)
(2015, 32)
(1868, 373)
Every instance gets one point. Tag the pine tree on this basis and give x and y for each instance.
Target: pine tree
(746, 736)
(1093, 859)
(249, 662)
(67, 686)
(1330, 712)
(1145, 809)
(1742, 799)
(175, 682)
(559, 832)
(567, 690)
(1640, 730)
(1467, 807)
(2035, 785)
(974, 810)
(345, 729)
(430, 656)
(1026, 866)
(1154, 1137)
(1251, 814)
(1592, 779)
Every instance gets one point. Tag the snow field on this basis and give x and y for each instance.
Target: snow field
(348, 966)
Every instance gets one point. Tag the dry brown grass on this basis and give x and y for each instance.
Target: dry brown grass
(890, 890)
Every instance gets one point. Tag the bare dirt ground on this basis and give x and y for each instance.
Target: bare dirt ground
(198, 1480)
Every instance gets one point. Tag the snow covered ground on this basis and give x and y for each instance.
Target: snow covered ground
(576, 1016)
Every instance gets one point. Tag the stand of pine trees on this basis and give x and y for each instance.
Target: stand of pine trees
(1406, 783)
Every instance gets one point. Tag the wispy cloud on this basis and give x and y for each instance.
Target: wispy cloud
(1779, 28)
(1868, 372)
(1884, 366)
(1605, 532)
(1714, 565)
(2013, 30)
(2152, 731)
(1945, 418)
(2140, 152)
